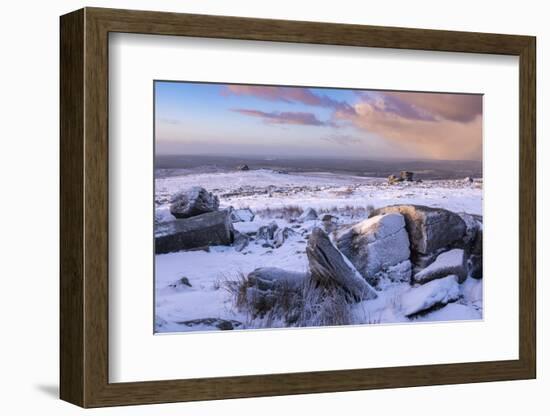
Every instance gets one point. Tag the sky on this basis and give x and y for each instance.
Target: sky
(281, 121)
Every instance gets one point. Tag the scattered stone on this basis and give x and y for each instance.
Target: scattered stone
(267, 232)
(406, 176)
(180, 285)
(221, 324)
(210, 229)
(378, 247)
(308, 215)
(329, 218)
(330, 268)
(185, 281)
(431, 295)
(240, 241)
(449, 262)
(429, 228)
(192, 202)
(281, 235)
(392, 180)
(242, 215)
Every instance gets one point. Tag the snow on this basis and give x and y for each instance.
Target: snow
(260, 189)
(436, 292)
(344, 196)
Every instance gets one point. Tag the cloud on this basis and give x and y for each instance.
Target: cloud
(287, 95)
(455, 107)
(285, 117)
(343, 139)
(439, 138)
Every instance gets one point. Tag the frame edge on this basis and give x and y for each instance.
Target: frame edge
(71, 216)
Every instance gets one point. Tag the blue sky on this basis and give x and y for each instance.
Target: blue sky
(233, 119)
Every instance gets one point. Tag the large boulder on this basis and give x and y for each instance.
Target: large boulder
(378, 247)
(330, 268)
(429, 228)
(213, 228)
(193, 201)
(448, 262)
(436, 293)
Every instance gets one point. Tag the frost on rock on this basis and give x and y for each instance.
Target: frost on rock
(213, 228)
(242, 215)
(240, 241)
(281, 235)
(449, 262)
(193, 201)
(162, 215)
(434, 293)
(378, 247)
(472, 229)
(267, 232)
(429, 228)
(399, 273)
(329, 267)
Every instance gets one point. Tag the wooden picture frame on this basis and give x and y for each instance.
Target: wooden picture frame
(84, 207)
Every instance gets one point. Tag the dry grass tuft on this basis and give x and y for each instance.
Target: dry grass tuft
(288, 306)
(286, 212)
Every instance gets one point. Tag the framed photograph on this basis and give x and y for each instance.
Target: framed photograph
(255, 207)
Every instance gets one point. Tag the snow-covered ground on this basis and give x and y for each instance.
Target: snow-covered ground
(267, 193)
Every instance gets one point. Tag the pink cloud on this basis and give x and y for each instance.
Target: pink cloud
(455, 107)
(441, 139)
(285, 117)
(287, 94)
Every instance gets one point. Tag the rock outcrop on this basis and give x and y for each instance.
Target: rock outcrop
(378, 247)
(210, 229)
(192, 202)
(429, 229)
(448, 262)
(330, 268)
